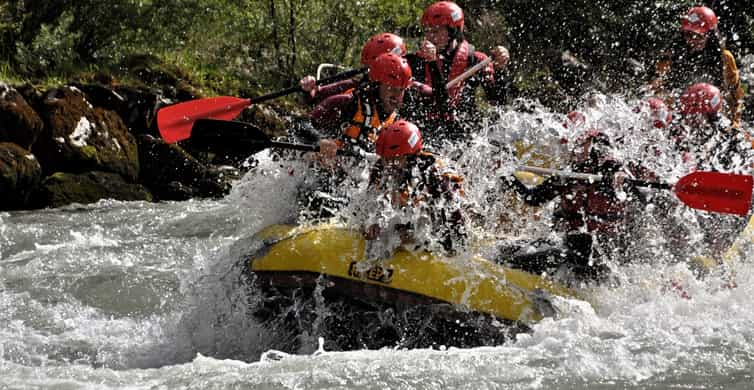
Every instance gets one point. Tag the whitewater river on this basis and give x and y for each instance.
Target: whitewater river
(145, 296)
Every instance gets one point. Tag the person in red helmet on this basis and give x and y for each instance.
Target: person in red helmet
(410, 181)
(376, 45)
(354, 118)
(703, 134)
(445, 54)
(380, 44)
(350, 122)
(708, 143)
(700, 57)
(590, 216)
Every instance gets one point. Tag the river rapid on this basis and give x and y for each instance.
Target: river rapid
(138, 295)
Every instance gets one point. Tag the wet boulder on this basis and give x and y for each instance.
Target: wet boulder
(60, 189)
(137, 107)
(171, 173)
(101, 96)
(140, 111)
(79, 137)
(19, 123)
(265, 118)
(20, 173)
(32, 94)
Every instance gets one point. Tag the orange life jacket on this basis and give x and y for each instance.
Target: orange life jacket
(366, 124)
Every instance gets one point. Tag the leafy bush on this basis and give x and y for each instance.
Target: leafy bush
(51, 51)
(252, 45)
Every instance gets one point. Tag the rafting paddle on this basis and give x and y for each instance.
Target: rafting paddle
(709, 191)
(470, 72)
(175, 122)
(214, 133)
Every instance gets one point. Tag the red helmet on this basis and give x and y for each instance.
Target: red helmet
(574, 119)
(699, 20)
(701, 98)
(399, 139)
(443, 13)
(391, 69)
(382, 43)
(658, 112)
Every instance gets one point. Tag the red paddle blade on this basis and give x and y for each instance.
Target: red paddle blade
(714, 191)
(175, 122)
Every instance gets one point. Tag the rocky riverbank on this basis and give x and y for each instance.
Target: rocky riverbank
(80, 143)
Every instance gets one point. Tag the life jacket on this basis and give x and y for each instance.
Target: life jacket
(461, 61)
(434, 192)
(588, 206)
(362, 129)
(591, 205)
(448, 176)
(735, 93)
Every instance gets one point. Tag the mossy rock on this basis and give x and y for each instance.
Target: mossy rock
(19, 123)
(79, 137)
(20, 173)
(171, 173)
(60, 189)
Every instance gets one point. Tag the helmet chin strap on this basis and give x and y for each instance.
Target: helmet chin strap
(454, 34)
(452, 44)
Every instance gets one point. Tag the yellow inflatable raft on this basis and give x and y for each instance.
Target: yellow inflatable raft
(301, 258)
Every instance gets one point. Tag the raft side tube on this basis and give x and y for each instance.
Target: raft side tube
(297, 257)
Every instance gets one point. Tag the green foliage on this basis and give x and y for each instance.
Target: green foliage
(9, 28)
(52, 50)
(8, 75)
(277, 41)
(248, 46)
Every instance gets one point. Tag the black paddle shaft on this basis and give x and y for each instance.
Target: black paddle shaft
(294, 146)
(650, 184)
(592, 177)
(220, 134)
(327, 80)
(310, 148)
